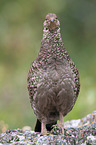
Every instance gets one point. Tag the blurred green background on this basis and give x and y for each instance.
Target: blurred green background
(21, 30)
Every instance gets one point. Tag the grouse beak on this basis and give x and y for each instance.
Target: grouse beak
(52, 24)
(52, 20)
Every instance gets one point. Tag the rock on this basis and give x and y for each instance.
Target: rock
(26, 128)
(76, 132)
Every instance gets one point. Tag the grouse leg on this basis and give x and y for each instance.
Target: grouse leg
(61, 123)
(43, 127)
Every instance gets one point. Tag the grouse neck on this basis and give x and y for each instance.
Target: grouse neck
(55, 35)
(50, 39)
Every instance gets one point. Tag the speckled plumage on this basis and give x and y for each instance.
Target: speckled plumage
(53, 79)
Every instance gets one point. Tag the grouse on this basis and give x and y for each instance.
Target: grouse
(53, 79)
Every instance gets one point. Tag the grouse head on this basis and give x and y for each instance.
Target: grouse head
(51, 23)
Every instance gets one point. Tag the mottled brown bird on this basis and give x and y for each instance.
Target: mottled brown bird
(53, 79)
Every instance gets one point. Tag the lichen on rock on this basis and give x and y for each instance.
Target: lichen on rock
(82, 131)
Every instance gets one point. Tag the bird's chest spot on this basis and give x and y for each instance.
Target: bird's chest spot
(55, 76)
